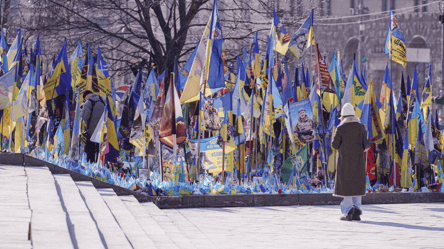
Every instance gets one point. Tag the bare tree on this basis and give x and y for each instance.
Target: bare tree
(131, 32)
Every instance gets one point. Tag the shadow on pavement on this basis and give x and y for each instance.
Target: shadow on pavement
(436, 209)
(393, 224)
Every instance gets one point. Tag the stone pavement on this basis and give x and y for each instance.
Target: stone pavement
(382, 226)
(41, 210)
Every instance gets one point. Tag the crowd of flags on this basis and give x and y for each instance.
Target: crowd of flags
(251, 115)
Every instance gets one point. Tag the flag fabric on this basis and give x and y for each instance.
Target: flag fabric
(322, 76)
(138, 127)
(20, 105)
(296, 163)
(335, 75)
(303, 38)
(4, 53)
(278, 104)
(426, 104)
(282, 38)
(370, 116)
(207, 52)
(395, 42)
(184, 71)
(255, 57)
(7, 88)
(386, 92)
(355, 90)
(171, 122)
(15, 47)
(238, 88)
(76, 63)
(111, 143)
(286, 85)
(59, 82)
(406, 166)
(103, 79)
(428, 136)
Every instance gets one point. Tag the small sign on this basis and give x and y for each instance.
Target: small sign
(143, 173)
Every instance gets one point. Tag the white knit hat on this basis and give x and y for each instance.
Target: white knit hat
(348, 110)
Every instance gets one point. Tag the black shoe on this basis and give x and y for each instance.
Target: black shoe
(356, 214)
(349, 216)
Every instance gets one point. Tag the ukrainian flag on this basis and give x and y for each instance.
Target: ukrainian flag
(112, 144)
(283, 38)
(14, 48)
(59, 82)
(3, 51)
(370, 116)
(303, 38)
(355, 90)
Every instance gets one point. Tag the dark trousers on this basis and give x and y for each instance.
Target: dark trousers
(91, 150)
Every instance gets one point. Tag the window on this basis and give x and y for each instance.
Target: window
(329, 8)
(416, 3)
(425, 7)
(393, 4)
(352, 4)
(384, 5)
(321, 8)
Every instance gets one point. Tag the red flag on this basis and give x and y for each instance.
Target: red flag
(322, 76)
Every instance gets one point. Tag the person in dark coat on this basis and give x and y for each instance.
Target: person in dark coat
(91, 112)
(350, 139)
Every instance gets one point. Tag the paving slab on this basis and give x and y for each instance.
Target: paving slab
(107, 225)
(167, 225)
(150, 226)
(416, 225)
(83, 229)
(127, 222)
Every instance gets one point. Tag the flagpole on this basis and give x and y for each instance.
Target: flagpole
(251, 126)
(223, 162)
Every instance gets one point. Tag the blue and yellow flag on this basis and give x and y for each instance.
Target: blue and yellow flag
(4, 51)
(76, 61)
(282, 38)
(112, 144)
(240, 82)
(278, 105)
(209, 52)
(185, 70)
(255, 57)
(335, 75)
(303, 38)
(395, 42)
(386, 92)
(370, 116)
(427, 93)
(7, 88)
(286, 85)
(406, 167)
(16, 44)
(355, 90)
(59, 82)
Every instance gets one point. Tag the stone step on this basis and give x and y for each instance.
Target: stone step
(127, 222)
(108, 227)
(168, 226)
(49, 227)
(83, 229)
(15, 215)
(155, 232)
